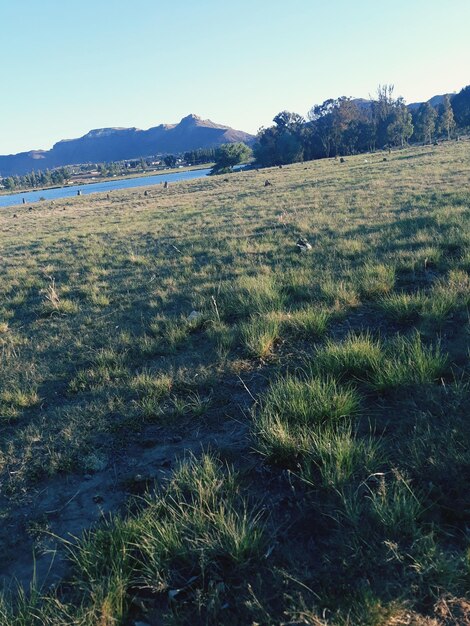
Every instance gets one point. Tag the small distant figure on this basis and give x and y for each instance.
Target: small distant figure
(280, 167)
(390, 151)
(24, 201)
(165, 185)
(267, 183)
(107, 196)
(342, 160)
(79, 193)
(30, 208)
(384, 159)
(146, 193)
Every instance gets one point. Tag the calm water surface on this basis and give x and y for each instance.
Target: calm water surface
(111, 185)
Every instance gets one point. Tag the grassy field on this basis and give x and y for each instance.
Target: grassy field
(202, 425)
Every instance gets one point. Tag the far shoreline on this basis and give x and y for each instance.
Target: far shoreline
(106, 179)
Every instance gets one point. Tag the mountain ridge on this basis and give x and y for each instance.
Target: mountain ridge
(119, 143)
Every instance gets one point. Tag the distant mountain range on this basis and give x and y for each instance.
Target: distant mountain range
(117, 144)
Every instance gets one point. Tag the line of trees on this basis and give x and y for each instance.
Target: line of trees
(344, 126)
(202, 155)
(37, 179)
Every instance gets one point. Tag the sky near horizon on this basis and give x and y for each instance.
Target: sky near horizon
(68, 67)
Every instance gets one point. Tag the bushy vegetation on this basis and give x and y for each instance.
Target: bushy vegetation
(212, 427)
(228, 155)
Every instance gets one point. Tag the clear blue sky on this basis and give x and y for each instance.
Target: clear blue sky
(69, 66)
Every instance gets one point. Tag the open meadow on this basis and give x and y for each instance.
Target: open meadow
(201, 424)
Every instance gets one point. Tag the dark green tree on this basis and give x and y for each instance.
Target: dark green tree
(230, 154)
(322, 117)
(332, 120)
(282, 143)
(266, 149)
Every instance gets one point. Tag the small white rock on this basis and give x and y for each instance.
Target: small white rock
(194, 315)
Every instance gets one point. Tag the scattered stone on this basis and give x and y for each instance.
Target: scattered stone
(267, 183)
(98, 499)
(384, 159)
(15, 215)
(342, 160)
(225, 180)
(303, 245)
(280, 167)
(194, 316)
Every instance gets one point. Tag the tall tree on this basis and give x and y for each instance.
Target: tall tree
(446, 117)
(400, 124)
(321, 116)
(382, 110)
(426, 122)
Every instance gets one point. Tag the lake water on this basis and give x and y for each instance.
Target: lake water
(111, 185)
